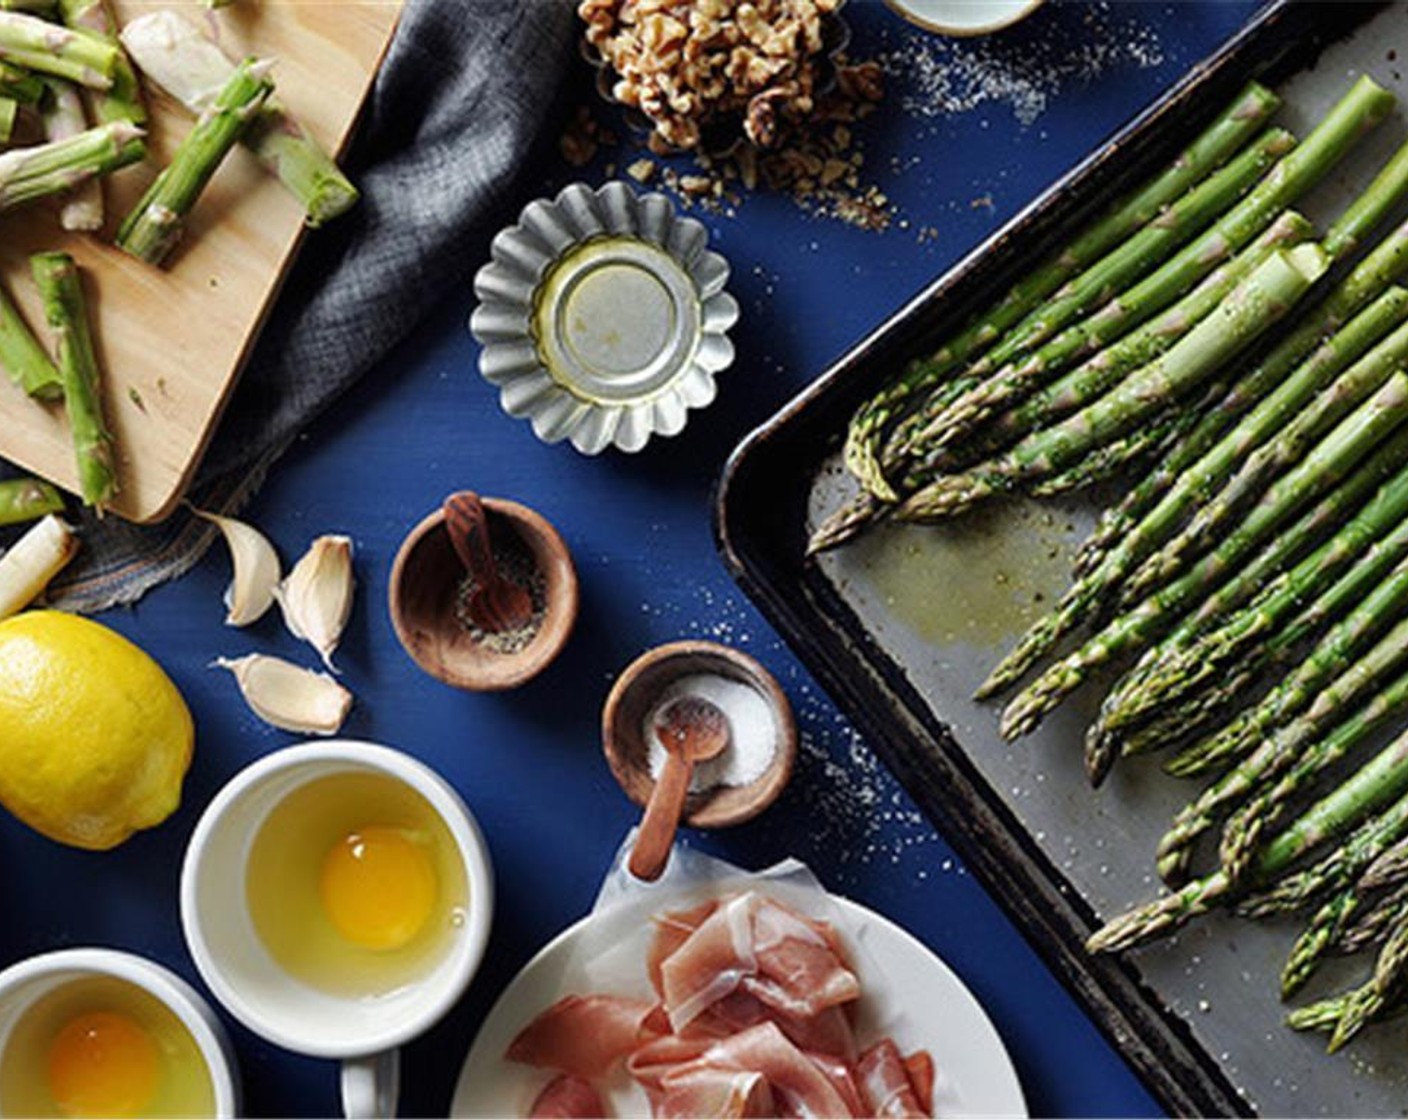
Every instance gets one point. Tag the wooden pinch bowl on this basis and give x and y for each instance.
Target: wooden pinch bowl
(425, 584)
(635, 694)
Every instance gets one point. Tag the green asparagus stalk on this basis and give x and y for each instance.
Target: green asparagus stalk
(1384, 265)
(174, 54)
(1113, 459)
(63, 117)
(9, 114)
(60, 165)
(20, 85)
(56, 276)
(1372, 923)
(1379, 782)
(1333, 871)
(1241, 120)
(38, 45)
(22, 356)
(1271, 757)
(1097, 375)
(27, 499)
(1194, 714)
(1264, 297)
(1293, 694)
(1327, 927)
(1297, 758)
(1345, 1015)
(1353, 918)
(1361, 109)
(1334, 577)
(1095, 589)
(1270, 460)
(1012, 381)
(122, 101)
(34, 7)
(1327, 464)
(155, 224)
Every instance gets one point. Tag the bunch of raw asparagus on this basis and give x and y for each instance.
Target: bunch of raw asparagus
(1247, 600)
(62, 61)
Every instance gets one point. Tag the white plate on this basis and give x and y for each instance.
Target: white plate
(964, 17)
(974, 1075)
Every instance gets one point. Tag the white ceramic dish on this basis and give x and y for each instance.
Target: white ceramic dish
(975, 1076)
(964, 17)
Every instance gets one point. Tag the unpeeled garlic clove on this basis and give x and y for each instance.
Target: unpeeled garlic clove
(316, 598)
(256, 569)
(287, 695)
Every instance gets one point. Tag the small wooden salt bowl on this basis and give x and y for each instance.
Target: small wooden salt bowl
(426, 578)
(635, 694)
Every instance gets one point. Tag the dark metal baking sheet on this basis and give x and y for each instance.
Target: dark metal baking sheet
(901, 626)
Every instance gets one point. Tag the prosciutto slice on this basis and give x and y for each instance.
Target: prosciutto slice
(885, 1083)
(778, 956)
(672, 929)
(920, 1065)
(567, 1098)
(827, 1032)
(583, 1035)
(799, 1086)
(708, 1091)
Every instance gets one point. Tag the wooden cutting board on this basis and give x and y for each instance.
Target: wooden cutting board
(171, 341)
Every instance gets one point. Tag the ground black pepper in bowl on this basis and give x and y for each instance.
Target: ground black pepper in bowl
(516, 566)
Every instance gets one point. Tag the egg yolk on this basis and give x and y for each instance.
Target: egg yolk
(102, 1063)
(378, 887)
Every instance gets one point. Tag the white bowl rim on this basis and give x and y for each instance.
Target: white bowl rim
(458, 819)
(1019, 10)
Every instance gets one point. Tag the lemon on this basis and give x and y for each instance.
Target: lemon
(96, 739)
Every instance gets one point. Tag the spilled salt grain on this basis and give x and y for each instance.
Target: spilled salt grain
(933, 76)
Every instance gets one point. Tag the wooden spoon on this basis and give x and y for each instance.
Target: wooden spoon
(691, 729)
(497, 604)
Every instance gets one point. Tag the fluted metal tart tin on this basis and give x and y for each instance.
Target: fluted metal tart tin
(603, 317)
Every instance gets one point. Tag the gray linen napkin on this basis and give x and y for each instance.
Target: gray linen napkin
(465, 89)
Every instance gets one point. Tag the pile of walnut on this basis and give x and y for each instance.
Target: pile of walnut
(745, 86)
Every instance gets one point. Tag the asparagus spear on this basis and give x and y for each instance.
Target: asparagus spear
(1094, 589)
(1257, 628)
(1029, 368)
(36, 44)
(174, 54)
(1196, 712)
(1372, 923)
(1113, 459)
(20, 85)
(63, 116)
(1334, 870)
(1266, 295)
(1345, 1015)
(1291, 695)
(1270, 758)
(123, 100)
(1326, 928)
(27, 499)
(56, 276)
(1362, 108)
(155, 224)
(1382, 780)
(1097, 375)
(22, 356)
(9, 113)
(1352, 918)
(32, 561)
(1297, 759)
(1270, 460)
(1236, 124)
(37, 7)
(29, 173)
(1357, 434)
(1385, 264)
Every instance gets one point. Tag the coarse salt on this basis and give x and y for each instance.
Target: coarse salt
(752, 727)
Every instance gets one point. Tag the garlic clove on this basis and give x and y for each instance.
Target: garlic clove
(256, 569)
(316, 598)
(287, 695)
(33, 560)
